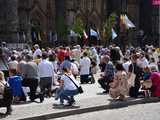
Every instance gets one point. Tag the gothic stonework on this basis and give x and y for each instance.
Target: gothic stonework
(36, 14)
(25, 16)
(91, 12)
(8, 20)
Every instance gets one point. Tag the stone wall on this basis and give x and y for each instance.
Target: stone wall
(8, 20)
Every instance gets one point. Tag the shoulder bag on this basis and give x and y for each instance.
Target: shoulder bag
(131, 79)
(80, 90)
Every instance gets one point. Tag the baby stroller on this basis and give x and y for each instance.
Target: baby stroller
(6, 99)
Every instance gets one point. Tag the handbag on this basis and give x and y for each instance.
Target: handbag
(147, 84)
(80, 89)
(131, 79)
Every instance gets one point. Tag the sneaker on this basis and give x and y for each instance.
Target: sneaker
(56, 98)
(105, 92)
(73, 100)
(70, 103)
(9, 111)
(58, 105)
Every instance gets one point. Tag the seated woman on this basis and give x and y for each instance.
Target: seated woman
(119, 87)
(67, 89)
(155, 78)
(15, 83)
(5, 96)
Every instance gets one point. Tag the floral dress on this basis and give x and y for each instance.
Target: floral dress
(119, 86)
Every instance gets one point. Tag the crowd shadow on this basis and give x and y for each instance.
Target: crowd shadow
(129, 101)
(23, 102)
(101, 93)
(57, 106)
(3, 115)
(117, 104)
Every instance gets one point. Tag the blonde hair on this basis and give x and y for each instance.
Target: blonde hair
(1, 75)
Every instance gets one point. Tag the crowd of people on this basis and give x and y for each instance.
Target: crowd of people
(133, 72)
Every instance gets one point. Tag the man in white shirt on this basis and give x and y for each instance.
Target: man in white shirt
(76, 53)
(68, 87)
(46, 72)
(85, 64)
(37, 51)
(126, 64)
(13, 63)
(142, 61)
(74, 68)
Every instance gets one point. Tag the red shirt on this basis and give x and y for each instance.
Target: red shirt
(61, 55)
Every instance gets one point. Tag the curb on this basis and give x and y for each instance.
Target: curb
(112, 105)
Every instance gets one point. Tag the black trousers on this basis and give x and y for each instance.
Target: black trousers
(46, 83)
(6, 102)
(84, 78)
(32, 84)
(104, 83)
(134, 91)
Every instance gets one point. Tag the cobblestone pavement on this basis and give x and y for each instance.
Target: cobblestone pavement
(138, 112)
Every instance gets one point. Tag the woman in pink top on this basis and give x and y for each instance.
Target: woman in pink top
(155, 78)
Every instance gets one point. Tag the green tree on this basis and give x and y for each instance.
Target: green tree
(78, 26)
(109, 24)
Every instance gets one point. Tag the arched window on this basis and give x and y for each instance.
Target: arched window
(93, 3)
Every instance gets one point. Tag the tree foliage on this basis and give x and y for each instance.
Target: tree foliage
(78, 26)
(109, 24)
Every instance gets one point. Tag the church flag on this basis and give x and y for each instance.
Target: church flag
(55, 37)
(93, 33)
(50, 37)
(34, 36)
(85, 34)
(128, 22)
(24, 37)
(114, 34)
(122, 22)
(98, 37)
(18, 37)
(39, 36)
(72, 33)
(85, 37)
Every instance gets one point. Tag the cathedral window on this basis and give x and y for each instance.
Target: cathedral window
(93, 3)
